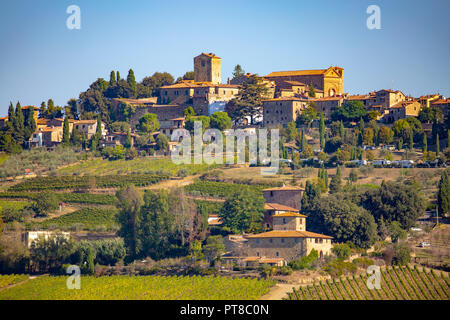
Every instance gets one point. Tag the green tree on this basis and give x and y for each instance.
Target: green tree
(157, 80)
(312, 91)
(45, 203)
(19, 125)
(396, 231)
(311, 194)
(349, 111)
(129, 203)
(30, 124)
(395, 201)
(162, 142)
(112, 79)
(248, 101)
(342, 219)
(424, 143)
(322, 131)
(220, 120)
(411, 140)
(307, 115)
(336, 181)
(76, 139)
(443, 196)
(66, 132)
(148, 123)
(132, 82)
(214, 248)
(384, 135)
(238, 71)
(243, 212)
(437, 144)
(342, 251)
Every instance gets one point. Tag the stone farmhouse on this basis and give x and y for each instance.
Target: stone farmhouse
(289, 196)
(288, 241)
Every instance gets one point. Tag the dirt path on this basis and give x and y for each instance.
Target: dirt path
(67, 209)
(279, 291)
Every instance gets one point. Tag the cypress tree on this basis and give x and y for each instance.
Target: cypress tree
(336, 182)
(322, 131)
(11, 117)
(444, 194)
(19, 125)
(448, 138)
(411, 139)
(341, 129)
(128, 140)
(424, 143)
(302, 137)
(50, 108)
(400, 144)
(437, 144)
(112, 78)
(43, 112)
(118, 76)
(30, 124)
(66, 132)
(132, 82)
(312, 91)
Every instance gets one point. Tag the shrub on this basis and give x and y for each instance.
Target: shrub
(305, 262)
(342, 251)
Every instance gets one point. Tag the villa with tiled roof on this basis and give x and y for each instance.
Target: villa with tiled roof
(289, 239)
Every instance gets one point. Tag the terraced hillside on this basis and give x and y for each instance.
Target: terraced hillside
(397, 283)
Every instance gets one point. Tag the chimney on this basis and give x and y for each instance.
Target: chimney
(228, 80)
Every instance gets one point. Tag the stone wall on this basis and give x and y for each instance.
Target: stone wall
(290, 249)
(290, 198)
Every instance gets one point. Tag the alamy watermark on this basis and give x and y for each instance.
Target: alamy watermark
(74, 281)
(240, 145)
(374, 278)
(374, 20)
(74, 20)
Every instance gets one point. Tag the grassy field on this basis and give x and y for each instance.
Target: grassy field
(84, 219)
(9, 279)
(13, 204)
(3, 158)
(139, 288)
(138, 166)
(403, 283)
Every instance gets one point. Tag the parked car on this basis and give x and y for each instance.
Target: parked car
(424, 244)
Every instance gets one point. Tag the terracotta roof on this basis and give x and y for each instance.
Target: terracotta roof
(296, 73)
(211, 55)
(295, 83)
(285, 99)
(329, 98)
(4, 118)
(279, 207)
(189, 84)
(285, 188)
(360, 97)
(85, 121)
(137, 101)
(441, 101)
(289, 214)
(288, 234)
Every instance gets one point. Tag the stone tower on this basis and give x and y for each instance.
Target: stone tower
(207, 68)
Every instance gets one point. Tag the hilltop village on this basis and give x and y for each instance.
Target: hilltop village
(359, 173)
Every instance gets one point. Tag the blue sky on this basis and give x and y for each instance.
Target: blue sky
(40, 58)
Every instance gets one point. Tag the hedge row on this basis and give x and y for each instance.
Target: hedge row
(86, 182)
(220, 189)
(88, 198)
